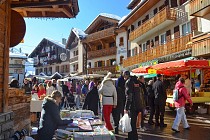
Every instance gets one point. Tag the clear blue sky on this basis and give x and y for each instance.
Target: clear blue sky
(56, 29)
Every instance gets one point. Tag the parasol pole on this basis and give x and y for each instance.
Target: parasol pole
(191, 83)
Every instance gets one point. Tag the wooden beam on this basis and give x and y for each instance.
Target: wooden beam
(67, 12)
(39, 4)
(39, 9)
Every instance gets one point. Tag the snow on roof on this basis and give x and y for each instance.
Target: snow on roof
(56, 42)
(79, 33)
(122, 19)
(110, 16)
(17, 55)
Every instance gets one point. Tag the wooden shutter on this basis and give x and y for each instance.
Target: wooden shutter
(194, 24)
(103, 63)
(148, 44)
(140, 48)
(107, 62)
(168, 35)
(95, 65)
(176, 32)
(156, 41)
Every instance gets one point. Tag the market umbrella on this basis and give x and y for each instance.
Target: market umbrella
(141, 69)
(91, 76)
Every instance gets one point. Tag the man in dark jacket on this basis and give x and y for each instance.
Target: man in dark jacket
(50, 116)
(151, 98)
(120, 87)
(27, 87)
(160, 100)
(134, 101)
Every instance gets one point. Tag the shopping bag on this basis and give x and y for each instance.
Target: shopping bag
(125, 124)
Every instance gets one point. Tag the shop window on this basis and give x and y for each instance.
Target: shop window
(186, 29)
(121, 41)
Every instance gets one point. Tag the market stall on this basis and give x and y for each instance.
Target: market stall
(197, 70)
(85, 126)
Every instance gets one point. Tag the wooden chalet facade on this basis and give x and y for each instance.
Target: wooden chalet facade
(50, 57)
(100, 43)
(201, 41)
(77, 52)
(12, 30)
(158, 30)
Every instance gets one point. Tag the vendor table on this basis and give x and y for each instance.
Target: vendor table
(36, 105)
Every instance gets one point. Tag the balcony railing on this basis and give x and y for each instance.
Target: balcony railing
(198, 7)
(162, 16)
(102, 70)
(173, 46)
(73, 59)
(103, 52)
(201, 47)
(100, 34)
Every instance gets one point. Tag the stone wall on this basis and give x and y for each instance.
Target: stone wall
(6, 125)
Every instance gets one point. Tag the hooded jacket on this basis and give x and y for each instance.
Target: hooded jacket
(108, 92)
(134, 94)
(50, 119)
(183, 94)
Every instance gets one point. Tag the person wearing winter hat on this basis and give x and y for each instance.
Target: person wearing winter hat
(109, 98)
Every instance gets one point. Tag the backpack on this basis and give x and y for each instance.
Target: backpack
(176, 96)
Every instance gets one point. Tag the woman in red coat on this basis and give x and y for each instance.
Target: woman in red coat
(41, 90)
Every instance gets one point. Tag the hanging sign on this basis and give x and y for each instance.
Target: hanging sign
(152, 71)
(63, 57)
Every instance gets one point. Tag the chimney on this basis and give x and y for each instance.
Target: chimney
(63, 41)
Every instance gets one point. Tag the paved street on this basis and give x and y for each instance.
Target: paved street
(200, 129)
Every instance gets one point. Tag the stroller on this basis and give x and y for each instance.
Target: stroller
(69, 103)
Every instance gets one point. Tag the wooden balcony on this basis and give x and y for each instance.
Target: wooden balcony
(201, 45)
(103, 52)
(173, 46)
(73, 59)
(165, 16)
(102, 70)
(199, 7)
(100, 35)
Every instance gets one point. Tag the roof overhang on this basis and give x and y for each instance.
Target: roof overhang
(137, 12)
(47, 8)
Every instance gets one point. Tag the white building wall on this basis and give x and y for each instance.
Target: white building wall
(121, 49)
(81, 53)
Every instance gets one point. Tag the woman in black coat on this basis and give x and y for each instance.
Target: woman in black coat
(92, 99)
(151, 98)
(50, 116)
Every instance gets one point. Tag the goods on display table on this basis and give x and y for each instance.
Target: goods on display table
(85, 126)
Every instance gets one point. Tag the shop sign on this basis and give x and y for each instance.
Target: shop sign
(152, 71)
(149, 63)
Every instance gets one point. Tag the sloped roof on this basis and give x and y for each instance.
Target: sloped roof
(79, 33)
(17, 55)
(59, 44)
(111, 17)
(46, 8)
(133, 3)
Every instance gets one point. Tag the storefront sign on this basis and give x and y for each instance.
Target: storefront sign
(149, 63)
(152, 71)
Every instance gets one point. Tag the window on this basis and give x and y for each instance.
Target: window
(186, 29)
(121, 59)
(121, 41)
(89, 64)
(50, 71)
(99, 47)
(99, 63)
(182, 2)
(57, 68)
(163, 38)
(139, 23)
(112, 44)
(45, 70)
(155, 11)
(37, 71)
(111, 61)
(40, 70)
(144, 47)
(132, 27)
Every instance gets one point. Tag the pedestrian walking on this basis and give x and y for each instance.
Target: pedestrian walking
(160, 101)
(49, 88)
(78, 94)
(180, 105)
(134, 102)
(119, 110)
(92, 99)
(151, 100)
(109, 98)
